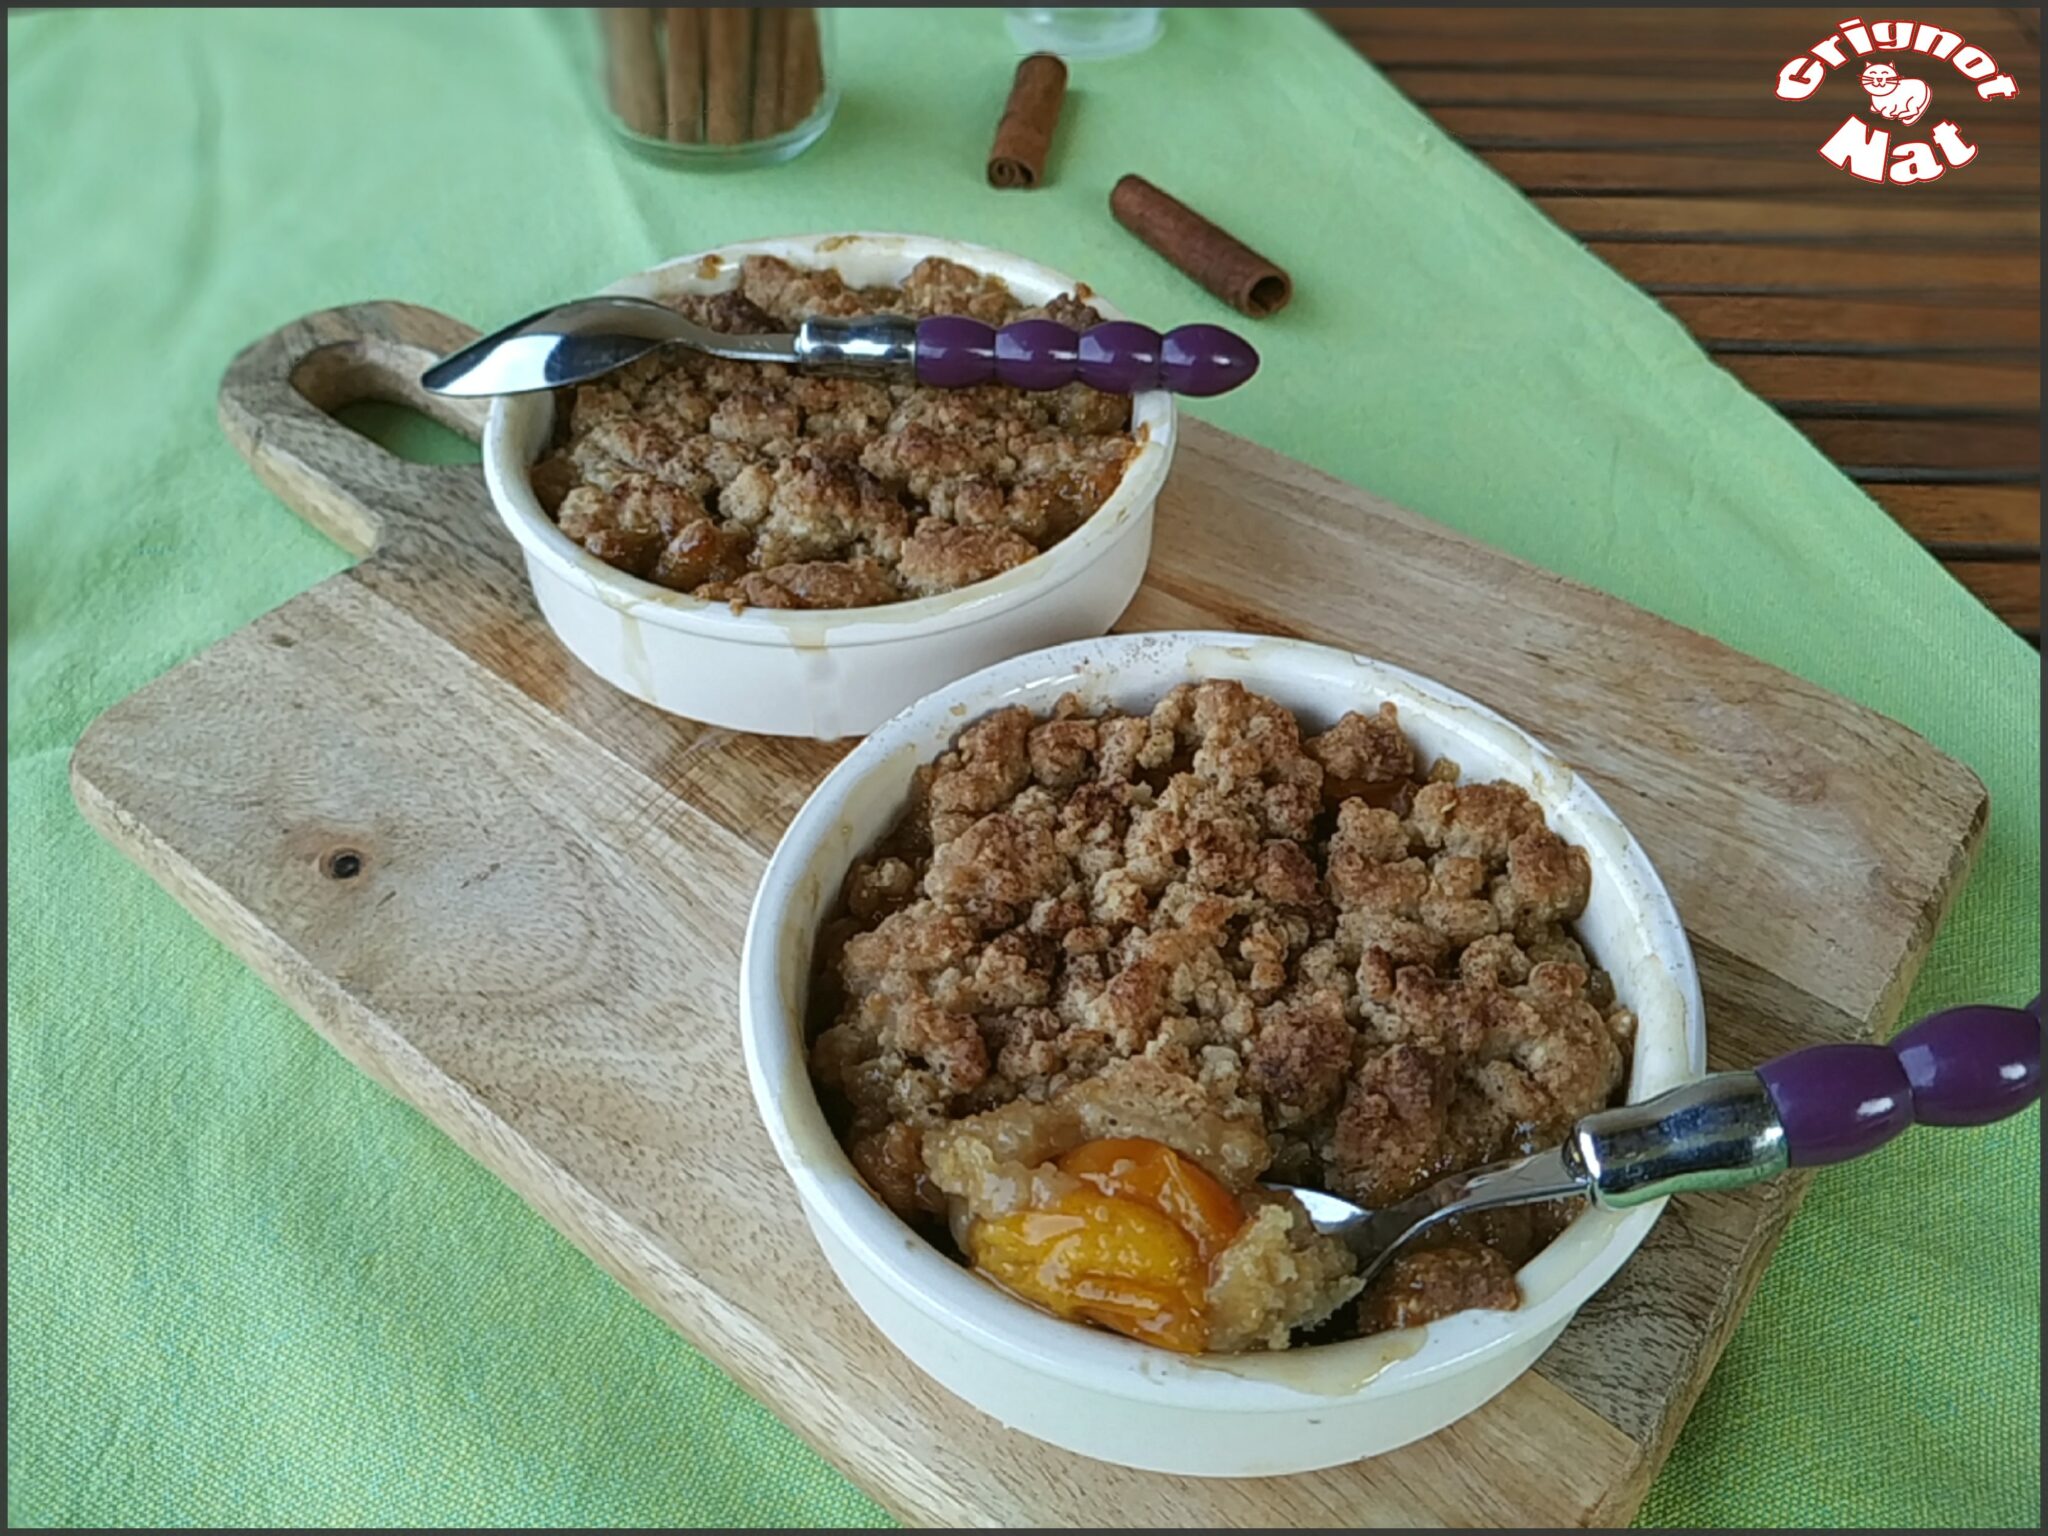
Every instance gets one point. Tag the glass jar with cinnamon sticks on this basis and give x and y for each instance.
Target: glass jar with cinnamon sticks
(718, 85)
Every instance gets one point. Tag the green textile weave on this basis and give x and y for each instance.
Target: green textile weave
(245, 1286)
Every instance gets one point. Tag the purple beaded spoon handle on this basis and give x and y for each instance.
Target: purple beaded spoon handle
(588, 338)
(1822, 1104)
(1118, 357)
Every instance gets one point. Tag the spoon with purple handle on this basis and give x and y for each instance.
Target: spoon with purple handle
(1822, 1104)
(576, 342)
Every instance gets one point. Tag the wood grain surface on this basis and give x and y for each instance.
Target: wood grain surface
(1899, 328)
(515, 897)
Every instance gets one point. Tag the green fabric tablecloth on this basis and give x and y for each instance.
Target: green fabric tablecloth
(245, 1286)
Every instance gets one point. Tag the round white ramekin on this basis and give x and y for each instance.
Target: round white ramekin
(1109, 1397)
(833, 672)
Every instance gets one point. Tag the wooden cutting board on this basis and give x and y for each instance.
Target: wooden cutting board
(515, 897)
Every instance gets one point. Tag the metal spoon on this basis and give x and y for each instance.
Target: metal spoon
(576, 342)
(1822, 1104)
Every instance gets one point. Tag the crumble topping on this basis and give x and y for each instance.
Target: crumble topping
(1298, 959)
(752, 484)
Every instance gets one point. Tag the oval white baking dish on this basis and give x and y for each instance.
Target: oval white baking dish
(1109, 1397)
(839, 672)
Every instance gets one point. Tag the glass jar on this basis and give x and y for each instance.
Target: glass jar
(718, 85)
(1086, 32)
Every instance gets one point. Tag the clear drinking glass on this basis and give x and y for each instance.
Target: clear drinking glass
(1085, 32)
(717, 85)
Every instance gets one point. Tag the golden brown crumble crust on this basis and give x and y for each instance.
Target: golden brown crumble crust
(1422, 1287)
(1367, 961)
(754, 485)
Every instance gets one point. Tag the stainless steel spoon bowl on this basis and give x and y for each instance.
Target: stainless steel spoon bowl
(583, 340)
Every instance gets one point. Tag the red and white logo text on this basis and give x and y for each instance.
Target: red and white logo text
(1928, 71)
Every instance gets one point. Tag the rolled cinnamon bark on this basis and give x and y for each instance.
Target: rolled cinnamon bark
(728, 72)
(1218, 260)
(1024, 136)
(771, 28)
(803, 68)
(685, 73)
(633, 68)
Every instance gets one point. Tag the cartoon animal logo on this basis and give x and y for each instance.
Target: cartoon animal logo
(1901, 100)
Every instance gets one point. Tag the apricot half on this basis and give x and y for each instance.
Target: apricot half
(1131, 1168)
(1128, 1250)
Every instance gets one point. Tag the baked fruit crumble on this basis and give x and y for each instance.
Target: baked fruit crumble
(750, 483)
(1112, 971)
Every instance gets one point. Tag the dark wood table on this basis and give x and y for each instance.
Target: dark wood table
(1899, 328)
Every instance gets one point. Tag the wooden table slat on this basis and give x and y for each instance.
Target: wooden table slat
(2009, 588)
(1870, 219)
(1806, 322)
(1597, 90)
(1661, 173)
(1948, 518)
(2001, 277)
(1738, 58)
(1791, 380)
(1765, 127)
(1659, 28)
(1650, 40)
(2008, 449)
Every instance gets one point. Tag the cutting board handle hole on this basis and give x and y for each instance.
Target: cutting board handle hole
(406, 434)
(341, 864)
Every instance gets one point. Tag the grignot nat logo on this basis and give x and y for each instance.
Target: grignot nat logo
(1900, 90)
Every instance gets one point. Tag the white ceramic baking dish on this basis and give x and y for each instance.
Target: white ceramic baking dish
(837, 672)
(1109, 1397)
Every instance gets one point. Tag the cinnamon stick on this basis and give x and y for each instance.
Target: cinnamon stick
(770, 30)
(1218, 260)
(633, 68)
(803, 69)
(728, 72)
(1024, 136)
(684, 27)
